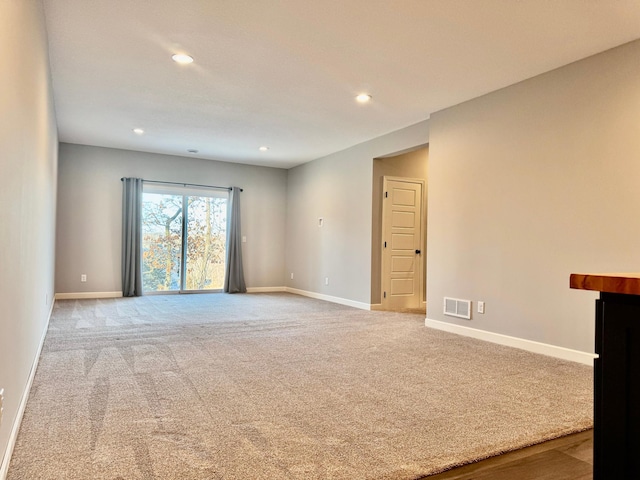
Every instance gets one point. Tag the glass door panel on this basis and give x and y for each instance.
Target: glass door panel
(205, 243)
(184, 236)
(161, 242)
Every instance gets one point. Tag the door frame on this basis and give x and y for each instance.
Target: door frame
(423, 261)
(184, 191)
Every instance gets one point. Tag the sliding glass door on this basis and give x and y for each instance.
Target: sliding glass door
(206, 236)
(161, 242)
(183, 239)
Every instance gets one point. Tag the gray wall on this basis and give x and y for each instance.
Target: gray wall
(90, 202)
(529, 184)
(28, 141)
(338, 188)
(411, 164)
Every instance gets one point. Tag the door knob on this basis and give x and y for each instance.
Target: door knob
(418, 252)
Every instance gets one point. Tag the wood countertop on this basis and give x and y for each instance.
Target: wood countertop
(628, 283)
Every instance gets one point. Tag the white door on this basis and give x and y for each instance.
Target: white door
(402, 259)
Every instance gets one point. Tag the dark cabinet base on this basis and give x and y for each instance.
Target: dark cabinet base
(617, 388)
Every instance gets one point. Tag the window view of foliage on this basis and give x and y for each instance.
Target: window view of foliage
(162, 242)
(206, 240)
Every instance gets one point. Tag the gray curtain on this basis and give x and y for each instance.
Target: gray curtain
(234, 278)
(131, 241)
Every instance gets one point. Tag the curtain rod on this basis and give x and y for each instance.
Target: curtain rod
(184, 184)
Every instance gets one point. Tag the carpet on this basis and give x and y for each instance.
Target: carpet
(278, 386)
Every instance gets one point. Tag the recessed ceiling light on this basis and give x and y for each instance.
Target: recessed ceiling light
(363, 98)
(192, 150)
(263, 148)
(182, 58)
(138, 131)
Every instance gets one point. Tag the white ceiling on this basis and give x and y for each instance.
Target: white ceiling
(284, 73)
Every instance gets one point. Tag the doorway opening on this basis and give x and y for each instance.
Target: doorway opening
(409, 166)
(184, 235)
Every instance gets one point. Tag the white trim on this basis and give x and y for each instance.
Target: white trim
(521, 343)
(329, 298)
(266, 289)
(6, 459)
(80, 295)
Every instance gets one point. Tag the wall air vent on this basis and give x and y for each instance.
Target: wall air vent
(457, 308)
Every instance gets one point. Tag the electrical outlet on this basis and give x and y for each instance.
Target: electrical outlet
(326, 280)
(1, 403)
(83, 277)
(480, 307)
(291, 275)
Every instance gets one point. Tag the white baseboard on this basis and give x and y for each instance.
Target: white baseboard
(329, 298)
(81, 295)
(266, 289)
(6, 459)
(528, 345)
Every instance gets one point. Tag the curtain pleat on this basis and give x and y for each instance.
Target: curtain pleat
(234, 278)
(131, 237)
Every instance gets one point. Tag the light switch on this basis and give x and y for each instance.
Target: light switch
(244, 239)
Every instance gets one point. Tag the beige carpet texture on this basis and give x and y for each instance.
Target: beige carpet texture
(278, 386)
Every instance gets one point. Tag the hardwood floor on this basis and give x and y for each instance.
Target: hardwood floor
(566, 458)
